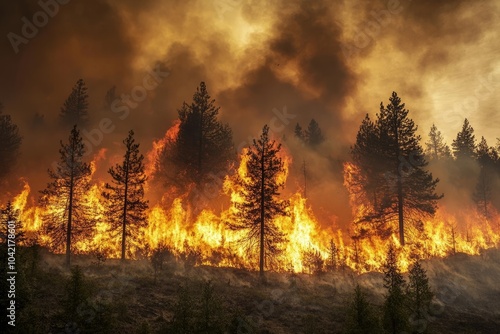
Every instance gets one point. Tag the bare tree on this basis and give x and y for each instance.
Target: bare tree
(125, 196)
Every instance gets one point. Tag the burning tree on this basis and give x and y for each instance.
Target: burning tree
(76, 106)
(11, 141)
(391, 164)
(260, 204)
(203, 148)
(9, 215)
(126, 207)
(67, 216)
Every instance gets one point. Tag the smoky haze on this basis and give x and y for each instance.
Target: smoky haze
(331, 62)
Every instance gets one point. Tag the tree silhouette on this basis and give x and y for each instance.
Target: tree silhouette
(487, 159)
(203, 148)
(392, 174)
(436, 148)
(75, 108)
(395, 318)
(361, 318)
(67, 218)
(125, 196)
(260, 191)
(313, 134)
(10, 215)
(298, 132)
(464, 145)
(10, 140)
(419, 294)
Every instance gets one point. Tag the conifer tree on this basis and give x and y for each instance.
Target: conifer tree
(203, 149)
(436, 148)
(313, 134)
(298, 132)
(75, 108)
(10, 217)
(125, 196)
(10, 142)
(395, 318)
(487, 159)
(68, 220)
(392, 174)
(260, 190)
(464, 145)
(419, 295)
(361, 317)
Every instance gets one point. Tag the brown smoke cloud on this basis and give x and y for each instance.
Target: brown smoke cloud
(333, 62)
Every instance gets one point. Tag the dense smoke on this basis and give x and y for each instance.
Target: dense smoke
(305, 59)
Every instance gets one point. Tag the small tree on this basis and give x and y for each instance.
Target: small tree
(68, 218)
(464, 145)
(436, 148)
(298, 132)
(332, 261)
(9, 216)
(419, 296)
(10, 140)
(184, 313)
(361, 318)
(77, 294)
(211, 318)
(126, 207)
(75, 109)
(260, 191)
(313, 134)
(487, 159)
(395, 318)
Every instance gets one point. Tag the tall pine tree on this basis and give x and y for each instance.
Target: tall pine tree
(464, 145)
(67, 219)
(75, 108)
(392, 174)
(125, 196)
(260, 191)
(203, 148)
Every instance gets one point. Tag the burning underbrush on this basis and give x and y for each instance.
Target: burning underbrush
(202, 235)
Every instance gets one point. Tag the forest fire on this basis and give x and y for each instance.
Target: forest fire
(308, 246)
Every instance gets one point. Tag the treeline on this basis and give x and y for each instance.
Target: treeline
(391, 175)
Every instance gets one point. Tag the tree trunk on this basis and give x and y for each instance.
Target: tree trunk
(400, 211)
(68, 230)
(262, 215)
(125, 202)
